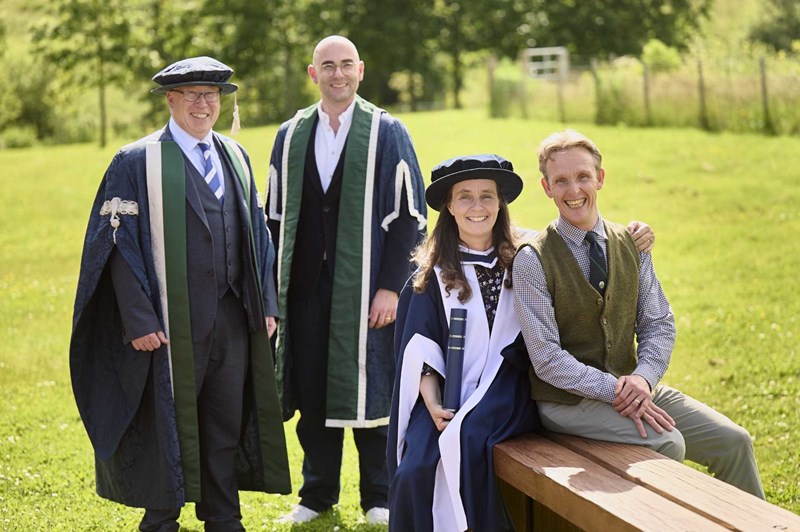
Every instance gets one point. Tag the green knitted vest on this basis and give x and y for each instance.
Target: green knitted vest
(598, 331)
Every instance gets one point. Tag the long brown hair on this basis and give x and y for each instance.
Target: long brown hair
(440, 248)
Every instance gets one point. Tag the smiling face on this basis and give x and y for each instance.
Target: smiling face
(337, 70)
(474, 204)
(573, 181)
(196, 118)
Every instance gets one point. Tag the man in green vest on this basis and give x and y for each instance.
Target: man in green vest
(600, 331)
(346, 203)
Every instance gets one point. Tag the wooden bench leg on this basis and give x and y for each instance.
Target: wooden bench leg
(519, 506)
(530, 516)
(546, 520)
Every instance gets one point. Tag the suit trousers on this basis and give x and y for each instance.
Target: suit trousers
(221, 363)
(309, 320)
(701, 434)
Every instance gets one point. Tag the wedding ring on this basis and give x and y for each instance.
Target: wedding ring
(637, 401)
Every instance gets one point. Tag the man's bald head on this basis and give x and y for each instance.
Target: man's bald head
(338, 70)
(337, 40)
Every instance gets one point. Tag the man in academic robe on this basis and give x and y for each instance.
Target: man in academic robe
(170, 359)
(346, 200)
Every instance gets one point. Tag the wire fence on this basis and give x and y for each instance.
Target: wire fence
(753, 95)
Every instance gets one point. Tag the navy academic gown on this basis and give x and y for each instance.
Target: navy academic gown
(382, 197)
(496, 405)
(125, 396)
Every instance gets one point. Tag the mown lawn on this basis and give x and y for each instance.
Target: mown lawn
(726, 209)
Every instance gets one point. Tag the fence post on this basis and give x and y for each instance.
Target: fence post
(562, 115)
(523, 87)
(648, 119)
(597, 91)
(702, 89)
(491, 64)
(769, 126)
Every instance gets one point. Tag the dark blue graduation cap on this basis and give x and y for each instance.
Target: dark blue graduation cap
(195, 71)
(457, 169)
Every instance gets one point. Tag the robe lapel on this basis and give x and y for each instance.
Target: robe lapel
(234, 190)
(192, 195)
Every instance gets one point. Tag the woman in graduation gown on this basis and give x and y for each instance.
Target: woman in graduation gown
(440, 462)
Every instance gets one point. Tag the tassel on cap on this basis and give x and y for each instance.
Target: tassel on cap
(236, 125)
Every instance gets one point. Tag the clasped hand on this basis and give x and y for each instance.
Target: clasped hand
(633, 399)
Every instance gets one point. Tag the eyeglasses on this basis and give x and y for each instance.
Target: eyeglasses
(347, 68)
(193, 96)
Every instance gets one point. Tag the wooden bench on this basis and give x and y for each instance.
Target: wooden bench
(554, 482)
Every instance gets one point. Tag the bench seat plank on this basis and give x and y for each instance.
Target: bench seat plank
(585, 493)
(683, 485)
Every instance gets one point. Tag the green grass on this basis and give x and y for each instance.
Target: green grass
(725, 209)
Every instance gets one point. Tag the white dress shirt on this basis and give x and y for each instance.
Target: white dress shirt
(328, 145)
(655, 323)
(188, 145)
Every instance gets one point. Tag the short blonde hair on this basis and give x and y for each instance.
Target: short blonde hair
(564, 140)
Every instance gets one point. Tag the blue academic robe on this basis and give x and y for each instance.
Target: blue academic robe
(445, 480)
(124, 396)
(382, 185)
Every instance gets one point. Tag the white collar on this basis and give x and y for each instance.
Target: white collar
(345, 118)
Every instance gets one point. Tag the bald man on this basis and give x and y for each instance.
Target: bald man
(346, 203)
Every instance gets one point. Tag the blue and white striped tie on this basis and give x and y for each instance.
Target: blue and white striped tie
(210, 176)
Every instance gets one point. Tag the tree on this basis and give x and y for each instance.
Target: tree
(90, 39)
(269, 45)
(392, 38)
(9, 104)
(780, 28)
(619, 27)
(476, 25)
(163, 32)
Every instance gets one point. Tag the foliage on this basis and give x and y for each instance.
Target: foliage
(17, 137)
(29, 97)
(90, 38)
(659, 57)
(506, 89)
(613, 92)
(490, 25)
(614, 27)
(268, 44)
(780, 27)
(419, 54)
(613, 86)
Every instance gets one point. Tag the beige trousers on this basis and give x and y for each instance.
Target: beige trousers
(701, 434)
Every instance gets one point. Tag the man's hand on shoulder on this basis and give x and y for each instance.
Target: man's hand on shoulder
(633, 399)
(150, 342)
(643, 236)
(383, 310)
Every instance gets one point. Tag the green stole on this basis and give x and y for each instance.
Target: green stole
(347, 347)
(166, 187)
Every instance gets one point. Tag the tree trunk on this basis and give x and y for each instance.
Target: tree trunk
(412, 90)
(456, 54)
(101, 85)
(701, 89)
(457, 78)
